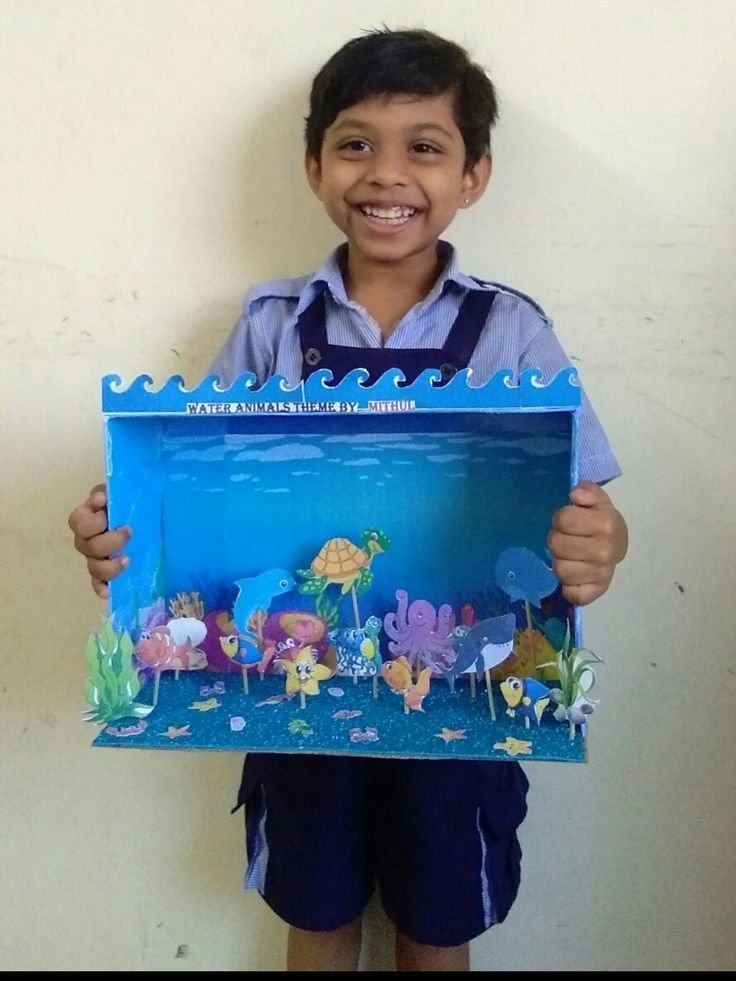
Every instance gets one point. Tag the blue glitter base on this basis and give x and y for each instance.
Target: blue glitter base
(315, 730)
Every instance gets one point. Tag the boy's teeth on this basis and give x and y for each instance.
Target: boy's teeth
(397, 212)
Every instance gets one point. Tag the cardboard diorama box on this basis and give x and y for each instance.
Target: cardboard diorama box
(353, 569)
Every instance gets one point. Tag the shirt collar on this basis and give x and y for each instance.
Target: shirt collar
(329, 276)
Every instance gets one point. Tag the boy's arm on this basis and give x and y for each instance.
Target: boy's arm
(588, 539)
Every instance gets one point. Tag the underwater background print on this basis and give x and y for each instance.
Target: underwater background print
(241, 502)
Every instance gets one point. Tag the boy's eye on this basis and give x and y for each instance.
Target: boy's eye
(425, 148)
(355, 146)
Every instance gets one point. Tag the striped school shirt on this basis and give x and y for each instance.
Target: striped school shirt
(517, 335)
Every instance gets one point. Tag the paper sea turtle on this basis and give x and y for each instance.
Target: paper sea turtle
(342, 562)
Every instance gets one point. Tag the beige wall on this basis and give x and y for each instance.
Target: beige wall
(151, 164)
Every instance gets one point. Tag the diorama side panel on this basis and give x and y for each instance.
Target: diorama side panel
(135, 485)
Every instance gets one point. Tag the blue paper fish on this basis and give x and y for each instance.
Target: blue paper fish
(527, 696)
(241, 650)
(257, 593)
(522, 575)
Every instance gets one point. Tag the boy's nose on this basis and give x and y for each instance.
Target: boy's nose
(387, 169)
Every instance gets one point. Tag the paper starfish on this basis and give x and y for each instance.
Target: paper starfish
(514, 747)
(304, 674)
(449, 735)
(211, 703)
(173, 732)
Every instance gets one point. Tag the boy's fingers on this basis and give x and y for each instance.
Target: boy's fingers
(106, 569)
(582, 595)
(97, 497)
(593, 550)
(101, 588)
(570, 520)
(587, 494)
(580, 521)
(86, 523)
(572, 573)
(102, 546)
(90, 517)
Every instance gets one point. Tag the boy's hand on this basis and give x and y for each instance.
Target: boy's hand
(92, 539)
(587, 541)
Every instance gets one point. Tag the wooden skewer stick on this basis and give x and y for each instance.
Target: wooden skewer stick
(490, 694)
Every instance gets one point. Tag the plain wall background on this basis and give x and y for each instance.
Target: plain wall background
(151, 172)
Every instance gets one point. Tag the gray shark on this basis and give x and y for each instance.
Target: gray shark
(484, 646)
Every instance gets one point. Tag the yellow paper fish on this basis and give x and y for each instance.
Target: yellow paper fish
(397, 674)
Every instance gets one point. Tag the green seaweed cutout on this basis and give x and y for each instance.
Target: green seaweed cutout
(300, 727)
(571, 666)
(112, 684)
(327, 609)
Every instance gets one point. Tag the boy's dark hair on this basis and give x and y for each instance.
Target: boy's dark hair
(416, 62)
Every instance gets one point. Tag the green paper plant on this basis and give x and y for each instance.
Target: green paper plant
(112, 684)
(576, 678)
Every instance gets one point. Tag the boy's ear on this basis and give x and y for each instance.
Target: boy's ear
(313, 171)
(475, 180)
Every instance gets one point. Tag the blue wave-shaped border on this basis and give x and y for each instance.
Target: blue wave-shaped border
(317, 394)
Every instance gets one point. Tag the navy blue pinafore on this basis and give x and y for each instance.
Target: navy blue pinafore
(318, 353)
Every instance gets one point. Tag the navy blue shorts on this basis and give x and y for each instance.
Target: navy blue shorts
(437, 836)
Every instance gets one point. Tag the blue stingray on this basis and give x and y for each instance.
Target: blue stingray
(522, 575)
(257, 593)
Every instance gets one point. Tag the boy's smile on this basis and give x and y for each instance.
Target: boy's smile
(392, 175)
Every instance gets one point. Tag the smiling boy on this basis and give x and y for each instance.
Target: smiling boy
(391, 173)
(397, 141)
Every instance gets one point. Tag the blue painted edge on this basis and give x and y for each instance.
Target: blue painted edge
(389, 393)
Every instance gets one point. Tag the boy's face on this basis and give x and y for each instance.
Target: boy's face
(392, 175)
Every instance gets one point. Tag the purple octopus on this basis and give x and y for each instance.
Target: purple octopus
(420, 632)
